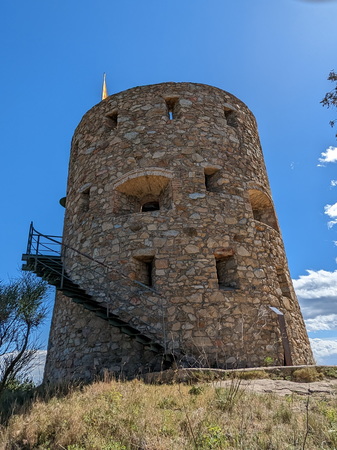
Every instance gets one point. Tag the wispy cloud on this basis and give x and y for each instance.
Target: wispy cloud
(325, 350)
(331, 211)
(317, 294)
(329, 156)
(321, 323)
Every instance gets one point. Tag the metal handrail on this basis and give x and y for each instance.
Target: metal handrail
(33, 232)
(37, 245)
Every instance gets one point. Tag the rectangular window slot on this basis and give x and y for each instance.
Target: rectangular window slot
(211, 179)
(171, 105)
(230, 116)
(227, 273)
(85, 200)
(145, 270)
(112, 119)
(284, 286)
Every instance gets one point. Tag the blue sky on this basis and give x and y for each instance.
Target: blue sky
(274, 55)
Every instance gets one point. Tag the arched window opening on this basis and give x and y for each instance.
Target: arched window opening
(146, 193)
(150, 206)
(262, 207)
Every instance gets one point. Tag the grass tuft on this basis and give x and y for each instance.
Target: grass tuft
(306, 375)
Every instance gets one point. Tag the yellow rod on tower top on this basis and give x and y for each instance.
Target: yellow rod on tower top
(104, 88)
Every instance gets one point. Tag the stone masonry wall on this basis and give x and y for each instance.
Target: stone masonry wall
(212, 251)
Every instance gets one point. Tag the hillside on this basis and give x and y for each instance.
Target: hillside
(203, 415)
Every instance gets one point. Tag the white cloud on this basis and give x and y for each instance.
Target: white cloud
(317, 284)
(331, 211)
(329, 156)
(333, 183)
(325, 351)
(317, 295)
(320, 323)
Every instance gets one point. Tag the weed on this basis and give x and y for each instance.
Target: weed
(212, 437)
(268, 361)
(283, 415)
(330, 372)
(331, 415)
(167, 403)
(226, 398)
(196, 390)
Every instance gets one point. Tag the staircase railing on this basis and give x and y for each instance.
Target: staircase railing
(102, 282)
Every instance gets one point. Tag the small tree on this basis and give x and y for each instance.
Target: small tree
(21, 313)
(330, 99)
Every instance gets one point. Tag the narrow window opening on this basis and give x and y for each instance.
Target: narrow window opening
(227, 273)
(211, 180)
(145, 270)
(112, 119)
(257, 214)
(150, 206)
(149, 270)
(208, 181)
(85, 200)
(284, 286)
(230, 116)
(171, 105)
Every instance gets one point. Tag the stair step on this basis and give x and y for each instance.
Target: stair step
(154, 347)
(130, 331)
(90, 307)
(70, 289)
(143, 339)
(102, 314)
(50, 268)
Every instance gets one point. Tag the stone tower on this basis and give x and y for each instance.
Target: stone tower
(172, 241)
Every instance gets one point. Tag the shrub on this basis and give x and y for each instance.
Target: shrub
(196, 390)
(252, 375)
(306, 375)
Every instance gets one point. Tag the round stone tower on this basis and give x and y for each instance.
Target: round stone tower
(170, 233)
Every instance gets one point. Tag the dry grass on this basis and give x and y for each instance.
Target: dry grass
(134, 415)
(306, 375)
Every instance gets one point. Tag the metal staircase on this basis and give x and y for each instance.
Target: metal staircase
(45, 256)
